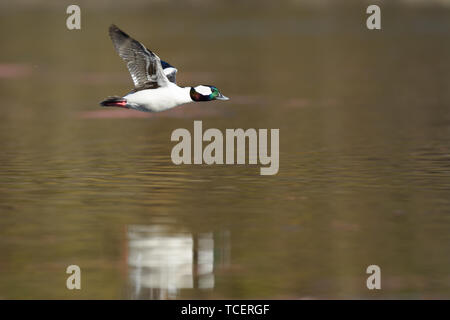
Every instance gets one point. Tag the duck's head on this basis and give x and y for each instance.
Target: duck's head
(206, 93)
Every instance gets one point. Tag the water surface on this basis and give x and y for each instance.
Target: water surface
(364, 156)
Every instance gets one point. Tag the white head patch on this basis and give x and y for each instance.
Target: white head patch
(204, 90)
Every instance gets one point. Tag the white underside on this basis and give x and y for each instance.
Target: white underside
(156, 100)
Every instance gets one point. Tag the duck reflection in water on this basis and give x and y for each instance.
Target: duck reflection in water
(162, 262)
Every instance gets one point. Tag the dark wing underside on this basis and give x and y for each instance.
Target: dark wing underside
(144, 66)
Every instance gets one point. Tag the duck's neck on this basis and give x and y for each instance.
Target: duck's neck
(184, 95)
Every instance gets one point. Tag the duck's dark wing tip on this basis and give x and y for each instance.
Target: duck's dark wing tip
(116, 34)
(113, 28)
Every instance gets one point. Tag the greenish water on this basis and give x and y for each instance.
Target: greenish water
(364, 173)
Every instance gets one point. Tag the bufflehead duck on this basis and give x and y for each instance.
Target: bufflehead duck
(155, 88)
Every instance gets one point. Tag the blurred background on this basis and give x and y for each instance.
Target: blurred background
(364, 152)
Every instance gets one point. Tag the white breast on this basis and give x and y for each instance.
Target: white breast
(160, 99)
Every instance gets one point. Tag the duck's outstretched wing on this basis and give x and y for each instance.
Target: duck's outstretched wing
(144, 66)
(169, 71)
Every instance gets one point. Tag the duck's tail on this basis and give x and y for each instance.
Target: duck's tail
(114, 102)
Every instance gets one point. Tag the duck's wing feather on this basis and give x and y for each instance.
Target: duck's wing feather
(144, 66)
(170, 71)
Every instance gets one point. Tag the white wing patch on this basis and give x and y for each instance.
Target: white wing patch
(171, 74)
(204, 90)
(169, 70)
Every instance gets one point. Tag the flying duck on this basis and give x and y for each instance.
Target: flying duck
(155, 87)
